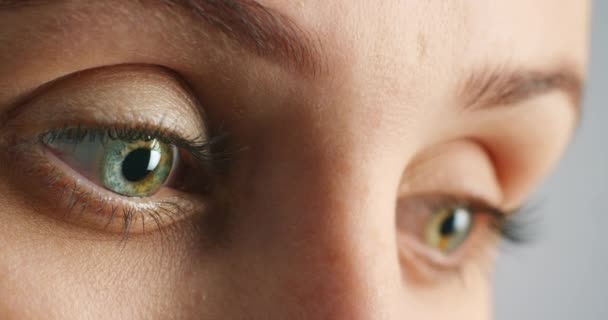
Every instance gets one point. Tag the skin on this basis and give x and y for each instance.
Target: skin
(303, 222)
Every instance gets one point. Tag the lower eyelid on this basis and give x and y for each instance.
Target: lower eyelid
(428, 266)
(81, 202)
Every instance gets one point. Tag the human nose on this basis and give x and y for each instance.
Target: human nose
(316, 235)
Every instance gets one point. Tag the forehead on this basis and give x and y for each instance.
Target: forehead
(451, 35)
(399, 50)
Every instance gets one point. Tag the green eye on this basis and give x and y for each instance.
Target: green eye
(133, 168)
(448, 229)
(136, 169)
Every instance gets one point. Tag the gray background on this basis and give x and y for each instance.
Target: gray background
(564, 274)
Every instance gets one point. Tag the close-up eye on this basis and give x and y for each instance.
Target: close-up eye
(109, 171)
(133, 168)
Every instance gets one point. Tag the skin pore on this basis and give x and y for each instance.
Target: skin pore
(334, 125)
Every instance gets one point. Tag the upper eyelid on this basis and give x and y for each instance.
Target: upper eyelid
(200, 148)
(442, 199)
(135, 94)
(131, 74)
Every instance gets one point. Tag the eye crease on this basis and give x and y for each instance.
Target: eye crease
(128, 150)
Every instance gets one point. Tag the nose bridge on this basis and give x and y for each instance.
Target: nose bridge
(329, 229)
(315, 208)
(347, 244)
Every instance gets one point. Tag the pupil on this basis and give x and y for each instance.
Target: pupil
(448, 226)
(135, 165)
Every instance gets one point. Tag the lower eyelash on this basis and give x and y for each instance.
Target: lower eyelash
(425, 267)
(130, 216)
(81, 205)
(490, 223)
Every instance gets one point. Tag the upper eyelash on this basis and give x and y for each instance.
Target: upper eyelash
(515, 229)
(509, 225)
(204, 150)
(211, 153)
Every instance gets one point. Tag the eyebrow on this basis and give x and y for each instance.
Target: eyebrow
(272, 35)
(503, 86)
(249, 24)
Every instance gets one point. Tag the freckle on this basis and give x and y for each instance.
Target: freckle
(421, 46)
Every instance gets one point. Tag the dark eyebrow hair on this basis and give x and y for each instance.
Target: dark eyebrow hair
(503, 86)
(251, 25)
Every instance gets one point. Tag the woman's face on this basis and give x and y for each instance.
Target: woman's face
(198, 159)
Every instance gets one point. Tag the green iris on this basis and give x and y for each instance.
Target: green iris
(136, 168)
(448, 229)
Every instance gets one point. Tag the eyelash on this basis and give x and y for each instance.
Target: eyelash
(508, 226)
(511, 226)
(426, 264)
(204, 150)
(213, 156)
(208, 153)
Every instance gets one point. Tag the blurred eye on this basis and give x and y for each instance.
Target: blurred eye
(439, 232)
(448, 228)
(137, 168)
